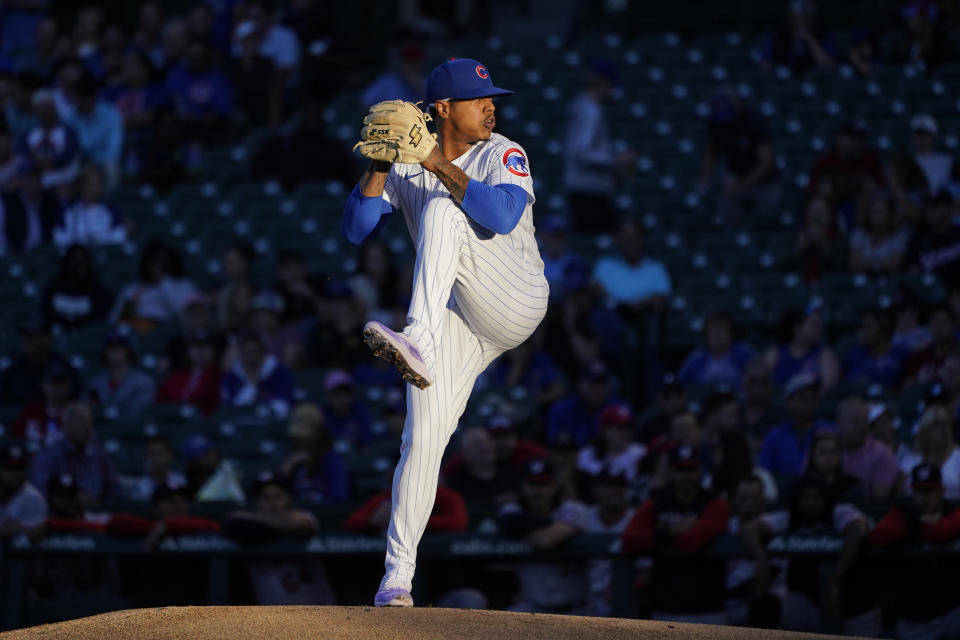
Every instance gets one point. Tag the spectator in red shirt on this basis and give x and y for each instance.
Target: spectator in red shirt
(928, 604)
(171, 516)
(199, 383)
(40, 422)
(512, 453)
(924, 365)
(686, 518)
(820, 248)
(449, 514)
(848, 171)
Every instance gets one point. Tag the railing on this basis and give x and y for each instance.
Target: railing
(219, 551)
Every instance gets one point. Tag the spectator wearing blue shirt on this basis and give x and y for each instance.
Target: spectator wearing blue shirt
(638, 286)
(785, 448)
(874, 359)
(721, 360)
(346, 419)
(528, 367)
(404, 82)
(50, 144)
(18, 108)
(633, 279)
(201, 94)
(257, 377)
(740, 136)
(578, 416)
(584, 323)
(78, 454)
(18, 24)
(43, 56)
(317, 473)
(139, 95)
(801, 43)
(556, 253)
(801, 349)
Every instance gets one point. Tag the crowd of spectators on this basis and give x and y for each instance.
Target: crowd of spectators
(738, 436)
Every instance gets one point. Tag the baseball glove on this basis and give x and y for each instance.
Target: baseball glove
(396, 131)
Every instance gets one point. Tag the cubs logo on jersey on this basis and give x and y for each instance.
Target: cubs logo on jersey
(515, 162)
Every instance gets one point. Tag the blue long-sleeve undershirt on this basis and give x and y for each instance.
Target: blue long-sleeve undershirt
(498, 208)
(362, 215)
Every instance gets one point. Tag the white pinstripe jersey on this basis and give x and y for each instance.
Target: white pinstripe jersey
(498, 160)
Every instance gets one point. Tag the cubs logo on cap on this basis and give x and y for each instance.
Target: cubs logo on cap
(515, 162)
(482, 71)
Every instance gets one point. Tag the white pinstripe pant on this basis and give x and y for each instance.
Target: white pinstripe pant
(474, 297)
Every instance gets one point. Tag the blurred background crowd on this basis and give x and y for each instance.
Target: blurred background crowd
(749, 229)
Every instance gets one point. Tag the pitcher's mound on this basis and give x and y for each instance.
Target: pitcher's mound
(370, 623)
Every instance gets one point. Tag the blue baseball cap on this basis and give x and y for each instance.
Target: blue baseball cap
(461, 79)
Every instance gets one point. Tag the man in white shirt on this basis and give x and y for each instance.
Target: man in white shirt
(544, 519)
(610, 514)
(924, 171)
(277, 42)
(23, 509)
(591, 166)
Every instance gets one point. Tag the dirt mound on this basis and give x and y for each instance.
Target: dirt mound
(369, 623)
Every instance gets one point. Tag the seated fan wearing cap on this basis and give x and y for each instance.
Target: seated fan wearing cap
(279, 581)
(545, 518)
(466, 197)
(685, 517)
(928, 604)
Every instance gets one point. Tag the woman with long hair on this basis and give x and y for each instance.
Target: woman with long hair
(733, 462)
(826, 464)
(160, 293)
(845, 600)
(802, 349)
(879, 242)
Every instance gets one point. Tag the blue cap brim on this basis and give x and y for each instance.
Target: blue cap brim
(489, 92)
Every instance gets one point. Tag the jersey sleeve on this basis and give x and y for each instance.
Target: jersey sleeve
(845, 513)
(508, 164)
(390, 193)
(777, 521)
(572, 513)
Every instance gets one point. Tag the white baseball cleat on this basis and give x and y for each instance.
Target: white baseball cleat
(393, 598)
(397, 349)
